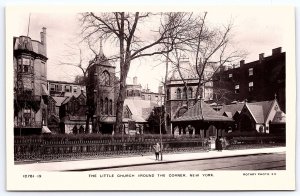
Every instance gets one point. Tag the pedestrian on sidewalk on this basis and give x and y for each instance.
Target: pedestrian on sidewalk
(218, 144)
(157, 151)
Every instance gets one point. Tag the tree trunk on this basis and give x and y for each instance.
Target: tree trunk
(87, 123)
(166, 96)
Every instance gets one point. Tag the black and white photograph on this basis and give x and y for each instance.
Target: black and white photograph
(176, 95)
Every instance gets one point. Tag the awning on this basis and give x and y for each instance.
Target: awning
(44, 90)
(45, 129)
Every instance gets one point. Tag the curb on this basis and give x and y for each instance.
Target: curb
(163, 162)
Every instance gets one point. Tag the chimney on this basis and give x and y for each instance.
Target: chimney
(43, 39)
(242, 62)
(261, 57)
(134, 80)
(276, 51)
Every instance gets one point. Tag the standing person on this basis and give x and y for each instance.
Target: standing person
(157, 150)
(219, 144)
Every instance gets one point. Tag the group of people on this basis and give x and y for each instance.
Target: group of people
(220, 145)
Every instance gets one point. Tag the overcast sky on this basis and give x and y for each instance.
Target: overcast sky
(256, 30)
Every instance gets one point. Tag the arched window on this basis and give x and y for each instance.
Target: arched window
(178, 92)
(101, 106)
(110, 107)
(106, 78)
(106, 106)
(184, 93)
(190, 93)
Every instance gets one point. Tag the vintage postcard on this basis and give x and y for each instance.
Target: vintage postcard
(150, 98)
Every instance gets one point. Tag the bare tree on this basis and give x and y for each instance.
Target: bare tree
(210, 49)
(123, 29)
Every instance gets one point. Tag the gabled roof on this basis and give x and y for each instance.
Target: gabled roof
(260, 110)
(140, 109)
(231, 109)
(202, 111)
(228, 114)
(59, 100)
(66, 100)
(279, 117)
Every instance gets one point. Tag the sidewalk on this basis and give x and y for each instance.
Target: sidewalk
(83, 165)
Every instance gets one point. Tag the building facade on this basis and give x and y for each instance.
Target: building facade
(259, 80)
(181, 89)
(135, 91)
(30, 85)
(101, 94)
(64, 89)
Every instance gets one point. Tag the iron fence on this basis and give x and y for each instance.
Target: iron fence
(70, 147)
(57, 148)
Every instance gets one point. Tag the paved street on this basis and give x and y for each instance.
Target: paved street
(274, 161)
(227, 159)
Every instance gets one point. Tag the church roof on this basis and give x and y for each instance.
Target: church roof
(140, 109)
(279, 117)
(231, 109)
(59, 100)
(260, 110)
(201, 111)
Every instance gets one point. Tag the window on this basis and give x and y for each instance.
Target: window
(26, 68)
(184, 93)
(59, 87)
(110, 107)
(43, 69)
(26, 61)
(106, 78)
(101, 106)
(230, 75)
(106, 106)
(149, 97)
(143, 97)
(237, 88)
(27, 117)
(178, 92)
(75, 89)
(250, 71)
(67, 88)
(190, 93)
(250, 86)
(24, 65)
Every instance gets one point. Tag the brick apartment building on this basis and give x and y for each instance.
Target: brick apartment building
(260, 80)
